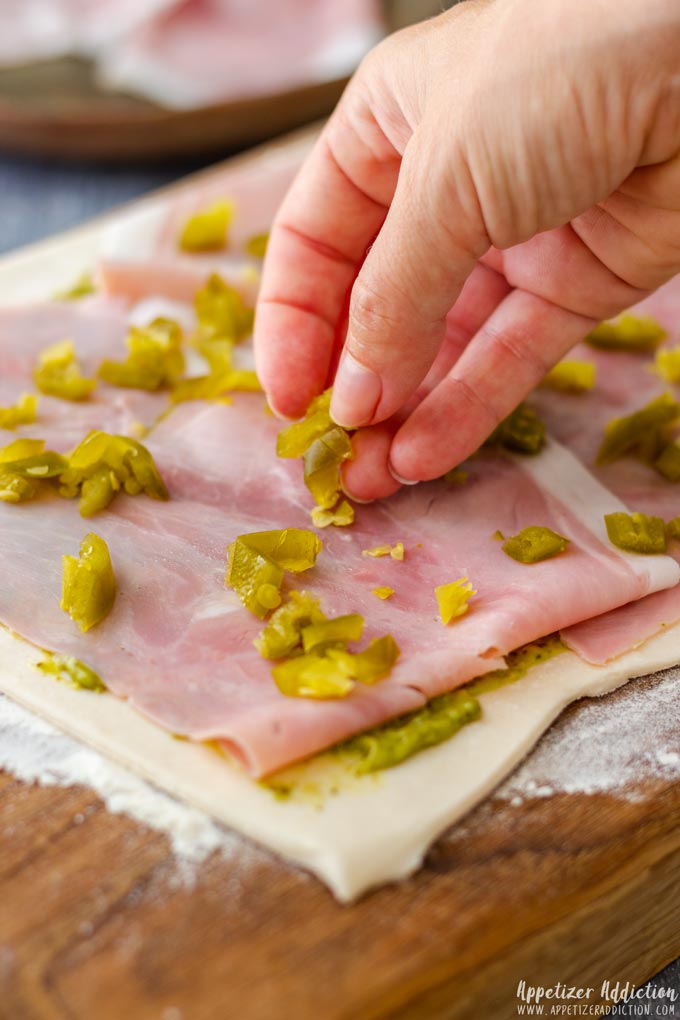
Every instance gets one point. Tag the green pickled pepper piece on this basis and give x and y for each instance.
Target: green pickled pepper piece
(295, 439)
(637, 334)
(534, 544)
(154, 361)
(521, 432)
(58, 373)
(673, 529)
(104, 464)
(371, 664)
(14, 488)
(89, 583)
(247, 572)
(21, 413)
(222, 312)
(283, 632)
(322, 462)
(207, 229)
(636, 532)
(75, 672)
(570, 376)
(312, 676)
(668, 462)
(339, 630)
(642, 433)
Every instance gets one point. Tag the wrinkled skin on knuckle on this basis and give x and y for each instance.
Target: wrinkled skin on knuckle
(372, 322)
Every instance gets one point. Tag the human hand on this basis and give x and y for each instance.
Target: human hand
(492, 183)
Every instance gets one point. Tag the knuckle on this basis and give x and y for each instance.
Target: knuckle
(519, 348)
(371, 316)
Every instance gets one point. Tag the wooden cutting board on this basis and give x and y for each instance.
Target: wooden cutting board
(572, 887)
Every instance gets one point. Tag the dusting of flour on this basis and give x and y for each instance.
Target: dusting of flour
(34, 751)
(608, 745)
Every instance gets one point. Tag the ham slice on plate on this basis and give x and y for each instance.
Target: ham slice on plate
(32, 30)
(625, 382)
(140, 253)
(201, 52)
(178, 644)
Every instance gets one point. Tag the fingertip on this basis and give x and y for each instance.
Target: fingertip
(356, 393)
(366, 477)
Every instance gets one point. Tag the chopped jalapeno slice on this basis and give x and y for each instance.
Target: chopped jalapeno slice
(89, 584)
(667, 364)
(262, 557)
(75, 672)
(312, 676)
(154, 359)
(453, 599)
(642, 433)
(341, 629)
(668, 462)
(636, 532)
(104, 464)
(221, 312)
(637, 334)
(370, 665)
(535, 543)
(80, 288)
(673, 529)
(257, 245)
(322, 462)
(295, 439)
(571, 376)
(521, 432)
(207, 229)
(21, 413)
(283, 632)
(341, 516)
(58, 373)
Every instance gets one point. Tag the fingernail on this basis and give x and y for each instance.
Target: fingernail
(350, 495)
(398, 478)
(356, 393)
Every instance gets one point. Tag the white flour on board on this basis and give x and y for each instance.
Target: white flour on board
(607, 745)
(35, 751)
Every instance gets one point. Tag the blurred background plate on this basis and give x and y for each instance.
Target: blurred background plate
(56, 108)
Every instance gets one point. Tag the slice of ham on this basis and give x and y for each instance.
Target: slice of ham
(34, 30)
(625, 382)
(97, 326)
(212, 51)
(178, 644)
(141, 257)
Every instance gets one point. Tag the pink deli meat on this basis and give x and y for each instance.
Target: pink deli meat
(202, 52)
(178, 644)
(625, 382)
(97, 326)
(141, 256)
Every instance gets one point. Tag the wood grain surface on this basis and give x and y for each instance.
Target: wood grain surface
(96, 923)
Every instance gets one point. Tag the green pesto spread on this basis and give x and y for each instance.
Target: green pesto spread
(74, 672)
(399, 739)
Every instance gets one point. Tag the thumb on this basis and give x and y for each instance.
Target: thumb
(411, 277)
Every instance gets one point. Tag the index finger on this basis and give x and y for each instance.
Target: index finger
(329, 217)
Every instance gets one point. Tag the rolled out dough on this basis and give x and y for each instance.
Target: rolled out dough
(374, 829)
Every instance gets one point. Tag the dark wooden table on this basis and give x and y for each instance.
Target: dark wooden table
(38, 198)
